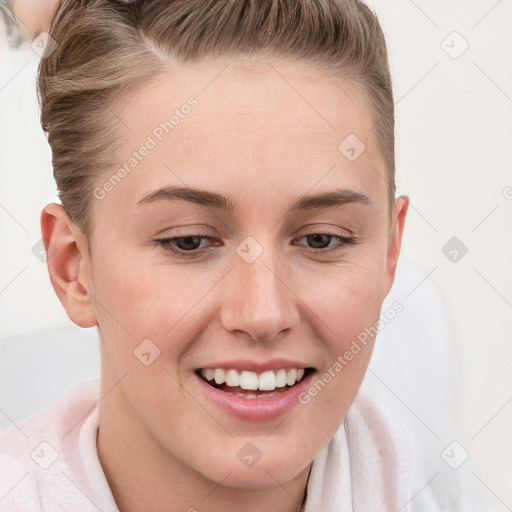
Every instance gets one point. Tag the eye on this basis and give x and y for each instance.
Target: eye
(190, 245)
(321, 240)
(181, 245)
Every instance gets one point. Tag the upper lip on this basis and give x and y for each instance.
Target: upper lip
(256, 366)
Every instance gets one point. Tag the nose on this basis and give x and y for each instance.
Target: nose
(259, 299)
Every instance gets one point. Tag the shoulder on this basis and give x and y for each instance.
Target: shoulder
(40, 457)
(59, 422)
(17, 490)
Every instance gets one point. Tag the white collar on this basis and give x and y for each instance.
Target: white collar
(366, 466)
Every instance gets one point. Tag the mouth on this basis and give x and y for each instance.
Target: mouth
(254, 385)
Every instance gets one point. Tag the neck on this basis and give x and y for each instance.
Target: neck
(142, 476)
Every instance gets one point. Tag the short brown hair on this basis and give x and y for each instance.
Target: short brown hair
(107, 46)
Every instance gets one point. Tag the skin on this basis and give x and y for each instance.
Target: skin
(162, 444)
(34, 16)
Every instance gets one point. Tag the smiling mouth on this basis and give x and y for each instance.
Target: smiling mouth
(250, 384)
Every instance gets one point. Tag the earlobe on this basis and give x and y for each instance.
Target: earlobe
(395, 240)
(68, 265)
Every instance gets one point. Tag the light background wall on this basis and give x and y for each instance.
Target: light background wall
(454, 160)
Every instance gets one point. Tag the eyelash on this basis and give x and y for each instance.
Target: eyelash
(166, 244)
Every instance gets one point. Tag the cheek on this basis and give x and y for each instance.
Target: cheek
(346, 308)
(347, 298)
(137, 301)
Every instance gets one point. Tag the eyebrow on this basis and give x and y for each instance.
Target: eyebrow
(337, 197)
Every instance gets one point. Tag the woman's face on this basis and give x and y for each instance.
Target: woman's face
(266, 278)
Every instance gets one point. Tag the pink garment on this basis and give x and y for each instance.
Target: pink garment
(50, 462)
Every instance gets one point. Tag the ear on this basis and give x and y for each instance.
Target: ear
(69, 265)
(34, 16)
(395, 240)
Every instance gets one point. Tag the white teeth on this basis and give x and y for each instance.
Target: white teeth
(249, 380)
(266, 381)
(247, 395)
(281, 379)
(291, 377)
(232, 378)
(219, 376)
(252, 394)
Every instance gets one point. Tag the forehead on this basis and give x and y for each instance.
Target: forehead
(251, 94)
(253, 123)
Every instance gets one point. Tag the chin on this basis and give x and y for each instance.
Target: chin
(250, 468)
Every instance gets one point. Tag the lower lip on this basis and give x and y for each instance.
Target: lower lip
(256, 409)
